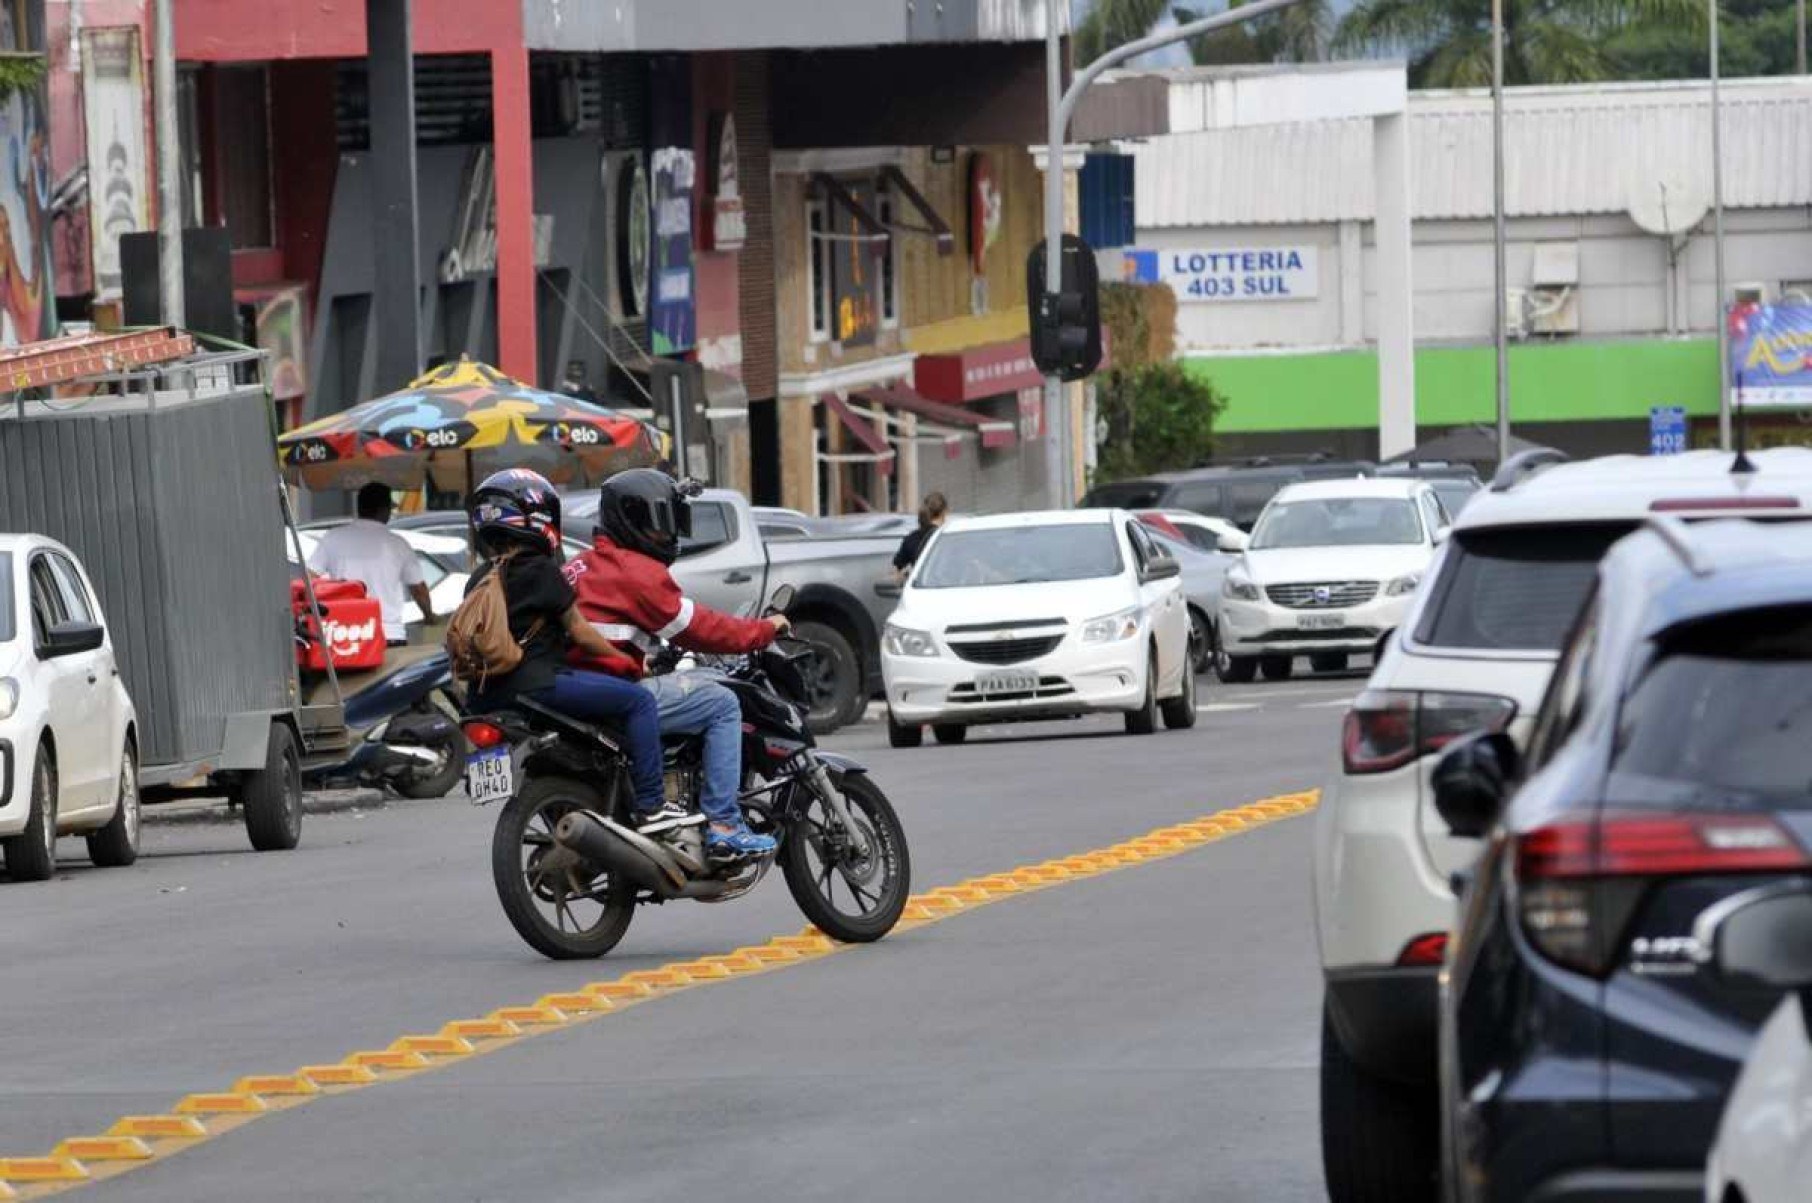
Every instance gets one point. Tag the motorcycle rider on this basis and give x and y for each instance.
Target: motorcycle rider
(627, 593)
(515, 519)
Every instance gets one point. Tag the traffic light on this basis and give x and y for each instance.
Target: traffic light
(1066, 327)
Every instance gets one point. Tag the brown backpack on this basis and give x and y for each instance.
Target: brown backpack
(479, 642)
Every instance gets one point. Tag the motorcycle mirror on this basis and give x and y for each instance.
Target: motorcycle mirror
(782, 599)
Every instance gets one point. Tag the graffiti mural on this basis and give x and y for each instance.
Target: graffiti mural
(27, 307)
(119, 188)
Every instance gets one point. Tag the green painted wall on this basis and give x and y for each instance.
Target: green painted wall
(1549, 382)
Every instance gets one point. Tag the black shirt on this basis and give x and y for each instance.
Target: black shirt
(911, 546)
(538, 598)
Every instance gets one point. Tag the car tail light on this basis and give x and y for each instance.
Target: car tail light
(1579, 882)
(484, 735)
(1679, 505)
(1387, 729)
(1424, 950)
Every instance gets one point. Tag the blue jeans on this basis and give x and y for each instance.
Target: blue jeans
(601, 698)
(692, 704)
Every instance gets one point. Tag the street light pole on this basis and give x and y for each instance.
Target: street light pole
(1799, 37)
(1717, 238)
(1497, 234)
(169, 165)
(1062, 109)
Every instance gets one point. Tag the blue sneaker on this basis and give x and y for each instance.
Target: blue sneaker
(735, 845)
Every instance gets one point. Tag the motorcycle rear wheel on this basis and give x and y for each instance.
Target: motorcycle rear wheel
(876, 886)
(569, 912)
(439, 782)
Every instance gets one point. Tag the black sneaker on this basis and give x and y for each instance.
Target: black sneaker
(668, 817)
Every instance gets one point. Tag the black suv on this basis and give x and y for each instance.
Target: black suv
(1586, 1048)
(1237, 492)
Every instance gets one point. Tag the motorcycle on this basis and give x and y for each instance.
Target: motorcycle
(570, 869)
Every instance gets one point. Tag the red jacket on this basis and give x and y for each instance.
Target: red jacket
(632, 600)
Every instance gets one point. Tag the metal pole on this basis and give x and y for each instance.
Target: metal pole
(1497, 234)
(1717, 238)
(1061, 111)
(1056, 413)
(1799, 37)
(169, 165)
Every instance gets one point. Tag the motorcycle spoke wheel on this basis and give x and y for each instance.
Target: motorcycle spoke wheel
(851, 895)
(563, 906)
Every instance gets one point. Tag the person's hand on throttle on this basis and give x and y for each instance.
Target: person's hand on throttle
(780, 623)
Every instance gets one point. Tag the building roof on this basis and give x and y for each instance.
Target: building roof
(1567, 150)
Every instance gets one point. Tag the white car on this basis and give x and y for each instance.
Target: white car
(68, 734)
(1475, 650)
(1329, 571)
(1203, 531)
(1034, 616)
(1763, 1151)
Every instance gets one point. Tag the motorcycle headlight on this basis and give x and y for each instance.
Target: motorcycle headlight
(904, 641)
(9, 697)
(1240, 587)
(1404, 584)
(1111, 628)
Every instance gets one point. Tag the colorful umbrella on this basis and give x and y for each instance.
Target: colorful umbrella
(459, 423)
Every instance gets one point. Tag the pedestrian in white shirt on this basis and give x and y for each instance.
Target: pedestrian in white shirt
(367, 550)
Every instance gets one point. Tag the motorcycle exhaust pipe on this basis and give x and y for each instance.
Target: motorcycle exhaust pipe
(608, 843)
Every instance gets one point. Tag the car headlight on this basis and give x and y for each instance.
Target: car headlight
(1404, 584)
(9, 697)
(1240, 587)
(1111, 628)
(904, 641)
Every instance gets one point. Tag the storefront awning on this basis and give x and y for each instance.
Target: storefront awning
(993, 433)
(880, 452)
(972, 373)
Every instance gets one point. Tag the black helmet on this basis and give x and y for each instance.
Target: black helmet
(516, 510)
(647, 511)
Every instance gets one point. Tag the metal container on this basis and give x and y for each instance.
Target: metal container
(170, 499)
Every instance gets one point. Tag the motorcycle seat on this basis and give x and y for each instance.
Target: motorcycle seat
(317, 688)
(547, 717)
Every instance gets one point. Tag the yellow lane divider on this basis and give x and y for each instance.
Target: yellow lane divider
(137, 1140)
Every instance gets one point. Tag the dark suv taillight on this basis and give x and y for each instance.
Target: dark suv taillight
(1579, 881)
(1387, 728)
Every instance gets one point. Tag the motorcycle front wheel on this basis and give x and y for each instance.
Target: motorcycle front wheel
(850, 895)
(563, 906)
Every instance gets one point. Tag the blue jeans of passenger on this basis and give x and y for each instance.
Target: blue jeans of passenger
(693, 704)
(601, 698)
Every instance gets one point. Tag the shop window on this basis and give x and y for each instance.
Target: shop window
(243, 154)
(818, 269)
(888, 278)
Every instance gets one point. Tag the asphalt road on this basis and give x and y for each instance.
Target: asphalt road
(1149, 1033)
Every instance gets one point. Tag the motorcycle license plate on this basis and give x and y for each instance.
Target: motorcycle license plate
(490, 776)
(990, 684)
(1321, 622)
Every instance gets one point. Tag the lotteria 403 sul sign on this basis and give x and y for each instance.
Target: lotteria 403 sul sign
(1279, 273)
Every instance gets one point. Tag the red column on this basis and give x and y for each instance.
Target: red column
(515, 183)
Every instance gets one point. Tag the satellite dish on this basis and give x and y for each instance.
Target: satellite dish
(1668, 204)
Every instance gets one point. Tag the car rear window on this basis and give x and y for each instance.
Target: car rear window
(1515, 589)
(6, 596)
(1725, 708)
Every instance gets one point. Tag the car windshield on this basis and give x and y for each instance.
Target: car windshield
(1019, 555)
(1454, 494)
(1725, 708)
(1515, 588)
(6, 596)
(1338, 522)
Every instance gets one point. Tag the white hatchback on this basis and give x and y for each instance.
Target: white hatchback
(1329, 572)
(1020, 617)
(68, 734)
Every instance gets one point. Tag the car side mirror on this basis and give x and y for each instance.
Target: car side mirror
(1760, 939)
(889, 589)
(1442, 534)
(71, 639)
(1472, 782)
(1162, 568)
(1232, 544)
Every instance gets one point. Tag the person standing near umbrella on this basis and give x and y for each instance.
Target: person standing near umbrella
(368, 551)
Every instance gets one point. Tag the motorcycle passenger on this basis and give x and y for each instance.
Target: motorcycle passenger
(515, 517)
(627, 593)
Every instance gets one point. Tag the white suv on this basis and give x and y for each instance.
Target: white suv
(67, 730)
(1329, 571)
(1475, 650)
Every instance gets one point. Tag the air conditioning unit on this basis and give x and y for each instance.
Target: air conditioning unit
(1516, 321)
(1553, 310)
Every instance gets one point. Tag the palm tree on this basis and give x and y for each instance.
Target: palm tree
(1113, 23)
(1298, 34)
(1448, 42)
